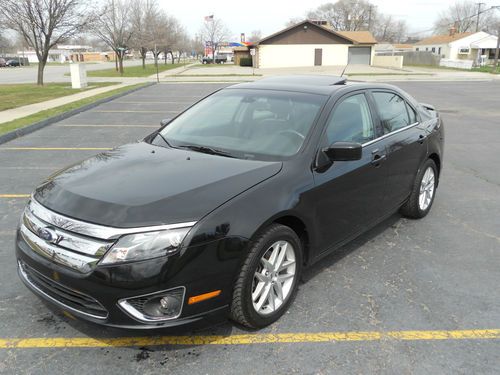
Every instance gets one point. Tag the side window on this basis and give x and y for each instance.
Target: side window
(412, 114)
(392, 110)
(351, 121)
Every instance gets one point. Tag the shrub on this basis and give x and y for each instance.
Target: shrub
(246, 61)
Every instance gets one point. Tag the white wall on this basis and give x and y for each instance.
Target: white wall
(388, 61)
(292, 55)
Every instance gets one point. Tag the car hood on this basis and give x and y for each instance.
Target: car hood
(141, 184)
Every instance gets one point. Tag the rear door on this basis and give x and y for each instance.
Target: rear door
(404, 142)
(349, 194)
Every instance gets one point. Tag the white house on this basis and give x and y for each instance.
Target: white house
(310, 44)
(461, 46)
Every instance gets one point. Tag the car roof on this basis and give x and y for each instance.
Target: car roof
(314, 84)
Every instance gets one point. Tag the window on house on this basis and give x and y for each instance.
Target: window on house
(439, 50)
(426, 48)
(433, 49)
(417, 49)
(464, 50)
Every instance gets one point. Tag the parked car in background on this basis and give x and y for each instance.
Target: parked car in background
(221, 209)
(219, 59)
(13, 62)
(3, 63)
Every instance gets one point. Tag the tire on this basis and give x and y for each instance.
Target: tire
(243, 306)
(413, 208)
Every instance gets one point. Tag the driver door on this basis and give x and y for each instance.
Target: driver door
(349, 195)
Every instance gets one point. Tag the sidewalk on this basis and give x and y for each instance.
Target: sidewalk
(20, 112)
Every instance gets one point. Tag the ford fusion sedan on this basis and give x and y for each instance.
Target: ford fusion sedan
(221, 209)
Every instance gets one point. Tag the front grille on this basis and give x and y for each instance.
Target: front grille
(60, 240)
(65, 296)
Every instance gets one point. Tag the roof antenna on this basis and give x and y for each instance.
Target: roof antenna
(343, 71)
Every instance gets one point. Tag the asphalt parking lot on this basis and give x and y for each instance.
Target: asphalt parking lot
(417, 297)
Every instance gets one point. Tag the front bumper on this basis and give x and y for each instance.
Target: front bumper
(198, 269)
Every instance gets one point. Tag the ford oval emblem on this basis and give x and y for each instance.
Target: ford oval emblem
(48, 235)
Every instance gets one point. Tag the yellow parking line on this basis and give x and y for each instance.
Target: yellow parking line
(55, 148)
(122, 111)
(107, 126)
(249, 339)
(14, 195)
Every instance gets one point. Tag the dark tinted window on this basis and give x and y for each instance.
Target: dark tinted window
(351, 121)
(392, 111)
(412, 114)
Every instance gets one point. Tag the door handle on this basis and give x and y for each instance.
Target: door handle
(421, 138)
(378, 158)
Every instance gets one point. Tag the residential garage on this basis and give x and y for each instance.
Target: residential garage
(360, 55)
(309, 44)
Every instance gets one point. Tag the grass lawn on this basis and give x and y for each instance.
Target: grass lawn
(133, 71)
(19, 123)
(482, 69)
(17, 95)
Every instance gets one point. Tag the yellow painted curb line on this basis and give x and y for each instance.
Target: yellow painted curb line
(247, 339)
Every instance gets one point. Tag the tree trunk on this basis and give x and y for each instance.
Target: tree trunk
(121, 64)
(41, 67)
(165, 56)
(116, 61)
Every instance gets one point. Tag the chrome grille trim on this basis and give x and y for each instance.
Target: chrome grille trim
(68, 240)
(94, 230)
(79, 262)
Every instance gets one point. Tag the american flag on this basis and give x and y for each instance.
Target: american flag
(209, 18)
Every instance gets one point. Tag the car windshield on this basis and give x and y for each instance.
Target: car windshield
(246, 123)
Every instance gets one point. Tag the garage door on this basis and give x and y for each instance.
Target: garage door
(360, 55)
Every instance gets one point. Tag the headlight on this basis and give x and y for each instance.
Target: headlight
(147, 245)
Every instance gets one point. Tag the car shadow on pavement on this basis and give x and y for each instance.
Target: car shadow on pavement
(217, 326)
(314, 270)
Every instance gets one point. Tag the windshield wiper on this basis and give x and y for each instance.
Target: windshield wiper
(208, 150)
(165, 140)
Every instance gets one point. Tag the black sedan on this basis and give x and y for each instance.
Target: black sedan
(12, 62)
(220, 210)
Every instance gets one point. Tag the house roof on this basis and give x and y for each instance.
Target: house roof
(403, 46)
(355, 37)
(360, 37)
(442, 39)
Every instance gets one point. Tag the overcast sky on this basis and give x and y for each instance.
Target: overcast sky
(270, 16)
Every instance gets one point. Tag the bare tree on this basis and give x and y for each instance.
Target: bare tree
(463, 16)
(145, 13)
(214, 32)
(346, 15)
(45, 23)
(255, 36)
(293, 21)
(113, 26)
(388, 29)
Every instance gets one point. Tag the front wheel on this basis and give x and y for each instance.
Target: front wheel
(422, 195)
(268, 278)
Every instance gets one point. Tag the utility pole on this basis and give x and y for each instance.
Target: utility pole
(479, 5)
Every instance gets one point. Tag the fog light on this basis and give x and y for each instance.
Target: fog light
(155, 307)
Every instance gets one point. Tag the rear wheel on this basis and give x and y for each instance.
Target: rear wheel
(422, 195)
(269, 277)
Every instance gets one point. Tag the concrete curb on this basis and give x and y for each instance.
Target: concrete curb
(41, 124)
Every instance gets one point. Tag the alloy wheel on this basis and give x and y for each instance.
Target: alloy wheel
(274, 278)
(426, 189)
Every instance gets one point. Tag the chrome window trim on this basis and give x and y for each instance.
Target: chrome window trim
(95, 230)
(137, 315)
(25, 278)
(79, 262)
(390, 134)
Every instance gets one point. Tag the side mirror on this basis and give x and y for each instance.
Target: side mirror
(165, 121)
(344, 151)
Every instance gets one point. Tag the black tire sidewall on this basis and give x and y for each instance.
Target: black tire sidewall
(285, 234)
